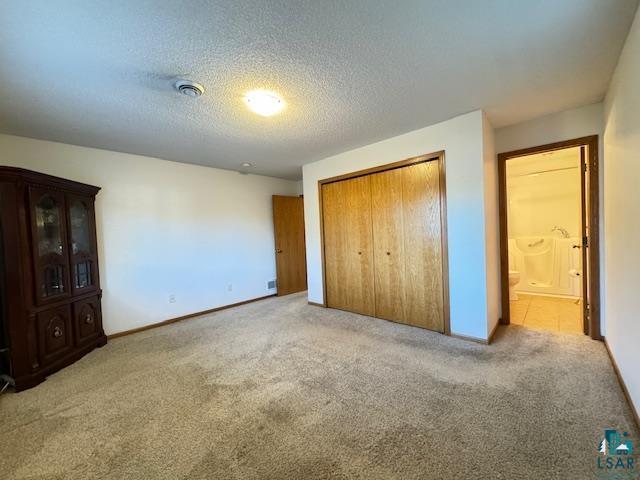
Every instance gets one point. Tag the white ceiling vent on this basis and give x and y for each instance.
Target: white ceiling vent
(189, 88)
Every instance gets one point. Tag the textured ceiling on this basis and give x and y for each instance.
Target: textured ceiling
(100, 73)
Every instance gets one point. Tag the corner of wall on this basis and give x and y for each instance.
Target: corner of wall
(491, 216)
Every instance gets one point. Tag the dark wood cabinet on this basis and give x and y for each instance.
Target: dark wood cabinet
(87, 319)
(49, 244)
(82, 232)
(54, 333)
(49, 281)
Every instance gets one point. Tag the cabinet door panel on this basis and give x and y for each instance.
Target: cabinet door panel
(87, 318)
(49, 239)
(388, 246)
(54, 334)
(423, 299)
(82, 242)
(348, 245)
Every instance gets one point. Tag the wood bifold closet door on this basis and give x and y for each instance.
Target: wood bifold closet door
(383, 245)
(348, 245)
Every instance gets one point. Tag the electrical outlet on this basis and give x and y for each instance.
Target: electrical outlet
(271, 285)
(230, 287)
(172, 298)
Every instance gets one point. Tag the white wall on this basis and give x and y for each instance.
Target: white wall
(492, 225)
(166, 228)
(462, 140)
(622, 204)
(556, 127)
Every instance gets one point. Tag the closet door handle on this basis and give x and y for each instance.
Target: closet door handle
(388, 253)
(359, 253)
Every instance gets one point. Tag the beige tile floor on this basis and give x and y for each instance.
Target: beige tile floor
(547, 313)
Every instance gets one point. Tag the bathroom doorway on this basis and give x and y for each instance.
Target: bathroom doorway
(549, 248)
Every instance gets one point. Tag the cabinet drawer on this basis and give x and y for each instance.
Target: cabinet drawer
(87, 318)
(54, 333)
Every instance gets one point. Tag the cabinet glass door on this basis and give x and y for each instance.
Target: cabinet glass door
(82, 240)
(50, 248)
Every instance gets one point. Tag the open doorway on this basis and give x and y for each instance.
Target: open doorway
(549, 237)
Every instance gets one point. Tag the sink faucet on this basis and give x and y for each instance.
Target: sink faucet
(563, 231)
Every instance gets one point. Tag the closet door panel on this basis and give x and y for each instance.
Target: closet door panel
(348, 245)
(423, 298)
(335, 251)
(388, 247)
(334, 248)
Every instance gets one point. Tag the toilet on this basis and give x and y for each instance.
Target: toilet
(514, 279)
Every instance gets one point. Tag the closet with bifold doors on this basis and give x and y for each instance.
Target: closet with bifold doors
(384, 243)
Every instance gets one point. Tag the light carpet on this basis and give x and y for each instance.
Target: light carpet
(278, 389)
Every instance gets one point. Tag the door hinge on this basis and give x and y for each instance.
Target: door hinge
(585, 241)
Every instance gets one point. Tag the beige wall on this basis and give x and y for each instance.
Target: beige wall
(622, 207)
(538, 203)
(166, 228)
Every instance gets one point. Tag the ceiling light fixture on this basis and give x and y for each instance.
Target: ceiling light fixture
(247, 165)
(189, 88)
(264, 102)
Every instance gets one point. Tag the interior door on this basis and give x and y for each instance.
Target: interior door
(388, 244)
(348, 245)
(422, 223)
(291, 260)
(584, 245)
